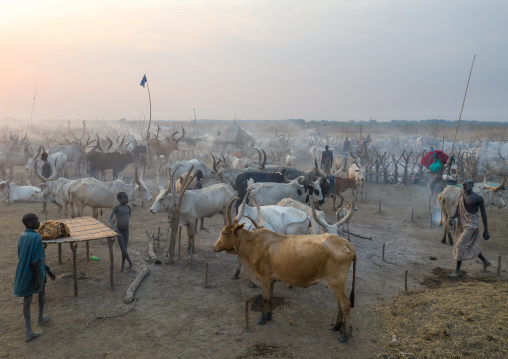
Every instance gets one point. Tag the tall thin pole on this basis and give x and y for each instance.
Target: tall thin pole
(150, 120)
(463, 102)
(33, 105)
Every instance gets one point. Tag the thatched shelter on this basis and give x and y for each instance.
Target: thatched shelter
(233, 136)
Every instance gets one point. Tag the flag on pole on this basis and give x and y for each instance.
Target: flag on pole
(143, 81)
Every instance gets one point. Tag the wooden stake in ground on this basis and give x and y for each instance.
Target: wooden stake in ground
(412, 217)
(179, 241)
(405, 281)
(247, 314)
(129, 295)
(384, 252)
(206, 275)
(498, 266)
(379, 205)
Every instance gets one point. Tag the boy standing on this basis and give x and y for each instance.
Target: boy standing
(122, 214)
(31, 272)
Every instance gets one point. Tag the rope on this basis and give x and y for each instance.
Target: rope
(105, 316)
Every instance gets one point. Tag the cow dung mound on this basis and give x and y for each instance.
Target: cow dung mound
(454, 319)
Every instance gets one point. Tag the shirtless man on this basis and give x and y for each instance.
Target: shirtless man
(122, 212)
(467, 237)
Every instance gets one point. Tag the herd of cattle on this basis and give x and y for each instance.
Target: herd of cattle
(289, 231)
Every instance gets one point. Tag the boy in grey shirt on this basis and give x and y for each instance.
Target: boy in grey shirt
(122, 214)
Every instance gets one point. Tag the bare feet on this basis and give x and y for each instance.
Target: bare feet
(31, 335)
(43, 320)
(456, 273)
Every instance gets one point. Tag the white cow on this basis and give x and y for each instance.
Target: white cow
(11, 193)
(59, 190)
(291, 161)
(290, 221)
(97, 194)
(317, 218)
(266, 193)
(205, 202)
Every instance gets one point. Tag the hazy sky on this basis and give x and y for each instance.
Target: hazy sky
(273, 59)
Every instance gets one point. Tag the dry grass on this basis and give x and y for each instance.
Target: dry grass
(457, 319)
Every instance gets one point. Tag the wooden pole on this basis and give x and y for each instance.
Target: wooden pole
(74, 247)
(412, 217)
(206, 275)
(405, 281)
(384, 252)
(247, 314)
(179, 241)
(59, 253)
(87, 250)
(129, 295)
(498, 266)
(379, 206)
(111, 240)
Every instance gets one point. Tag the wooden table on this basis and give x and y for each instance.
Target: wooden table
(85, 229)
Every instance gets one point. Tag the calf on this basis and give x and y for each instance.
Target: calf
(342, 184)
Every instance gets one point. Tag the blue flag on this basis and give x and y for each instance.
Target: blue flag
(143, 81)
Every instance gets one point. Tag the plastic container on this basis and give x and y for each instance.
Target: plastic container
(94, 258)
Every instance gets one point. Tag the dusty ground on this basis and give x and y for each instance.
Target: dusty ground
(175, 316)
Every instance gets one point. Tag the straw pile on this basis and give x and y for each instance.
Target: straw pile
(457, 319)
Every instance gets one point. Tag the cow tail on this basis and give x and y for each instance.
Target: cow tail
(352, 295)
(442, 207)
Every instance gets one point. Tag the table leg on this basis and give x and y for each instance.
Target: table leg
(87, 250)
(59, 253)
(111, 240)
(74, 247)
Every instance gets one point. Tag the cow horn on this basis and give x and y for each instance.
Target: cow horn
(54, 170)
(254, 223)
(214, 164)
(172, 183)
(319, 170)
(110, 144)
(264, 159)
(312, 183)
(99, 144)
(499, 152)
(258, 210)
(37, 173)
(228, 212)
(286, 179)
(259, 162)
(136, 176)
(495, 189)
(38, 153)
(242, 207)
(159, 181)
(179, 139)
(323, 225)
(348, 216)
(351, 153)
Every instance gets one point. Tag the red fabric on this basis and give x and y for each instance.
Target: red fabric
(429, 158)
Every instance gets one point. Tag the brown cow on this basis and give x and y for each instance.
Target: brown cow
(300, 261)
(342, 184)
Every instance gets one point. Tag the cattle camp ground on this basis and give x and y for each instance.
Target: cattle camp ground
(406, 306)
